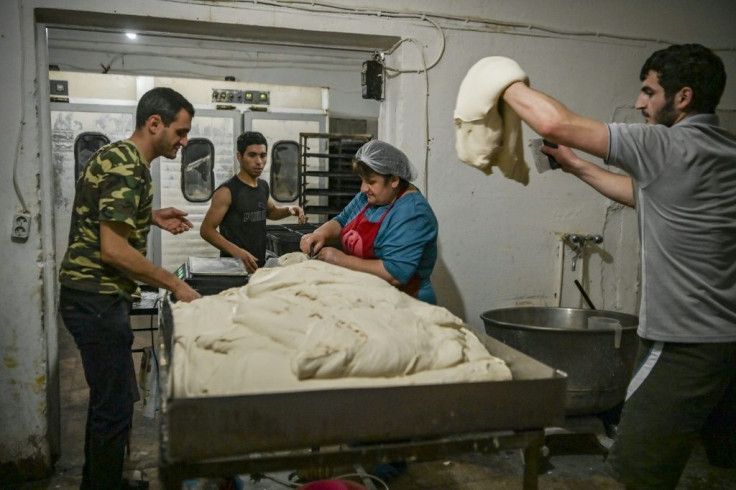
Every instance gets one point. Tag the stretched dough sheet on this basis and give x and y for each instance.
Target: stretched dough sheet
(310, 325)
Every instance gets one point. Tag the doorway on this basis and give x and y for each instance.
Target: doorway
(80, 44)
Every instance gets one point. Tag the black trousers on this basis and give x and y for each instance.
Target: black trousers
(679, 394)
(100, 324)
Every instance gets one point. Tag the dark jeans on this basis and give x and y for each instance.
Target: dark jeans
(100, 324)
(683, 393)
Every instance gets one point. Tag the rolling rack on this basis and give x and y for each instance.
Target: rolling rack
(327, 181)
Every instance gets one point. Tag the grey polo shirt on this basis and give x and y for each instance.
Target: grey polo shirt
(685, 190)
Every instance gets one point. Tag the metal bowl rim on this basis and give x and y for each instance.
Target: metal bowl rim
(582, 331)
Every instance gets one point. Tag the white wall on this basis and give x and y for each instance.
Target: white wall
(25, 374)
(498, 239)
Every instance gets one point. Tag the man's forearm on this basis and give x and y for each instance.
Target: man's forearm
(555, 122)
(371, 266)
(614, 186)
(330, 230)
(279, 213)
(125, 258)
(214, 238)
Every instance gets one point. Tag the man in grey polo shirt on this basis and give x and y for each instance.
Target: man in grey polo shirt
(681, 178)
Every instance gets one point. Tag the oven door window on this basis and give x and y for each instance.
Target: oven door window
(285, 171)
(198, 170)
(85, 145)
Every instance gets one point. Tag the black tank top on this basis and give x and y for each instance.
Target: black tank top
(244, 224)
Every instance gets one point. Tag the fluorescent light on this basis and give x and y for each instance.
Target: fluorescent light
(131, 35)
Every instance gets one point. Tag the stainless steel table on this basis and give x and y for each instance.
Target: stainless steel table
(229, 435)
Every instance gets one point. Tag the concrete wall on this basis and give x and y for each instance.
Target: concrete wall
(499, 240)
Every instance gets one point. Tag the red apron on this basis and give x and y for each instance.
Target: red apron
(358, 237)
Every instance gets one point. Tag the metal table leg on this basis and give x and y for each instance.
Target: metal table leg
(530, 441)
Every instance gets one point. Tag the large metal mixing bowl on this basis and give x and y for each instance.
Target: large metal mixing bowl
(598, 371)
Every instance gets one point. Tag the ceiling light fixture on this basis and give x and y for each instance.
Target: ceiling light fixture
(131, 35)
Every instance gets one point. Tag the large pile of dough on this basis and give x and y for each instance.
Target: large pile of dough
(312, 325)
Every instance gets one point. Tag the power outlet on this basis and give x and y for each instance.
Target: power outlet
(21, 227)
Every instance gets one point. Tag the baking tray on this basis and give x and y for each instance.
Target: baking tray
(204, 428)
(216, 266)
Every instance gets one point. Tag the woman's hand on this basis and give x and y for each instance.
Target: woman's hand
(331, 255)
(311, 243)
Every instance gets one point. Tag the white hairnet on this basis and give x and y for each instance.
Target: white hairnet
(386, 159)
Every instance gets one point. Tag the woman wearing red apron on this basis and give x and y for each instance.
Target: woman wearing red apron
(388, 229)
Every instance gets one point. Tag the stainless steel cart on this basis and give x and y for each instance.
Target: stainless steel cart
(229, 435)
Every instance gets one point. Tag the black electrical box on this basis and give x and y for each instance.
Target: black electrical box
(59, 87)
(371, 78)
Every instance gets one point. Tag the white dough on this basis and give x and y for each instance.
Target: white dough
(312, 325)
(487, 131)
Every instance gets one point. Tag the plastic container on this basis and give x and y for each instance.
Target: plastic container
(283, 242)
(283, 239)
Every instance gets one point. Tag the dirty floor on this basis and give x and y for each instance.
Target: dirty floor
(575, 462)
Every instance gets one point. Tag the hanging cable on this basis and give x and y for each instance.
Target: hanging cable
(18, 192)
(380, 58)
(426, 117)
(424, 65)
(426, 122)
(18, 144)
(465, 23)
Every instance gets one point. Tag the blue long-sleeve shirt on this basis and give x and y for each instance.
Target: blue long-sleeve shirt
(406, 240)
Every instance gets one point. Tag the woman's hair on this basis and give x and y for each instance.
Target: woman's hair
(365, 172)
(386, 159)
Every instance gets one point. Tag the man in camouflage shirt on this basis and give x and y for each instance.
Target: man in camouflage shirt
(111, 218)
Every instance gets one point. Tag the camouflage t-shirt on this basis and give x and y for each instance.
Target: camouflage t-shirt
(114, 186)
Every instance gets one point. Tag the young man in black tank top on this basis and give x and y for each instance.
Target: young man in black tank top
(241, 205)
